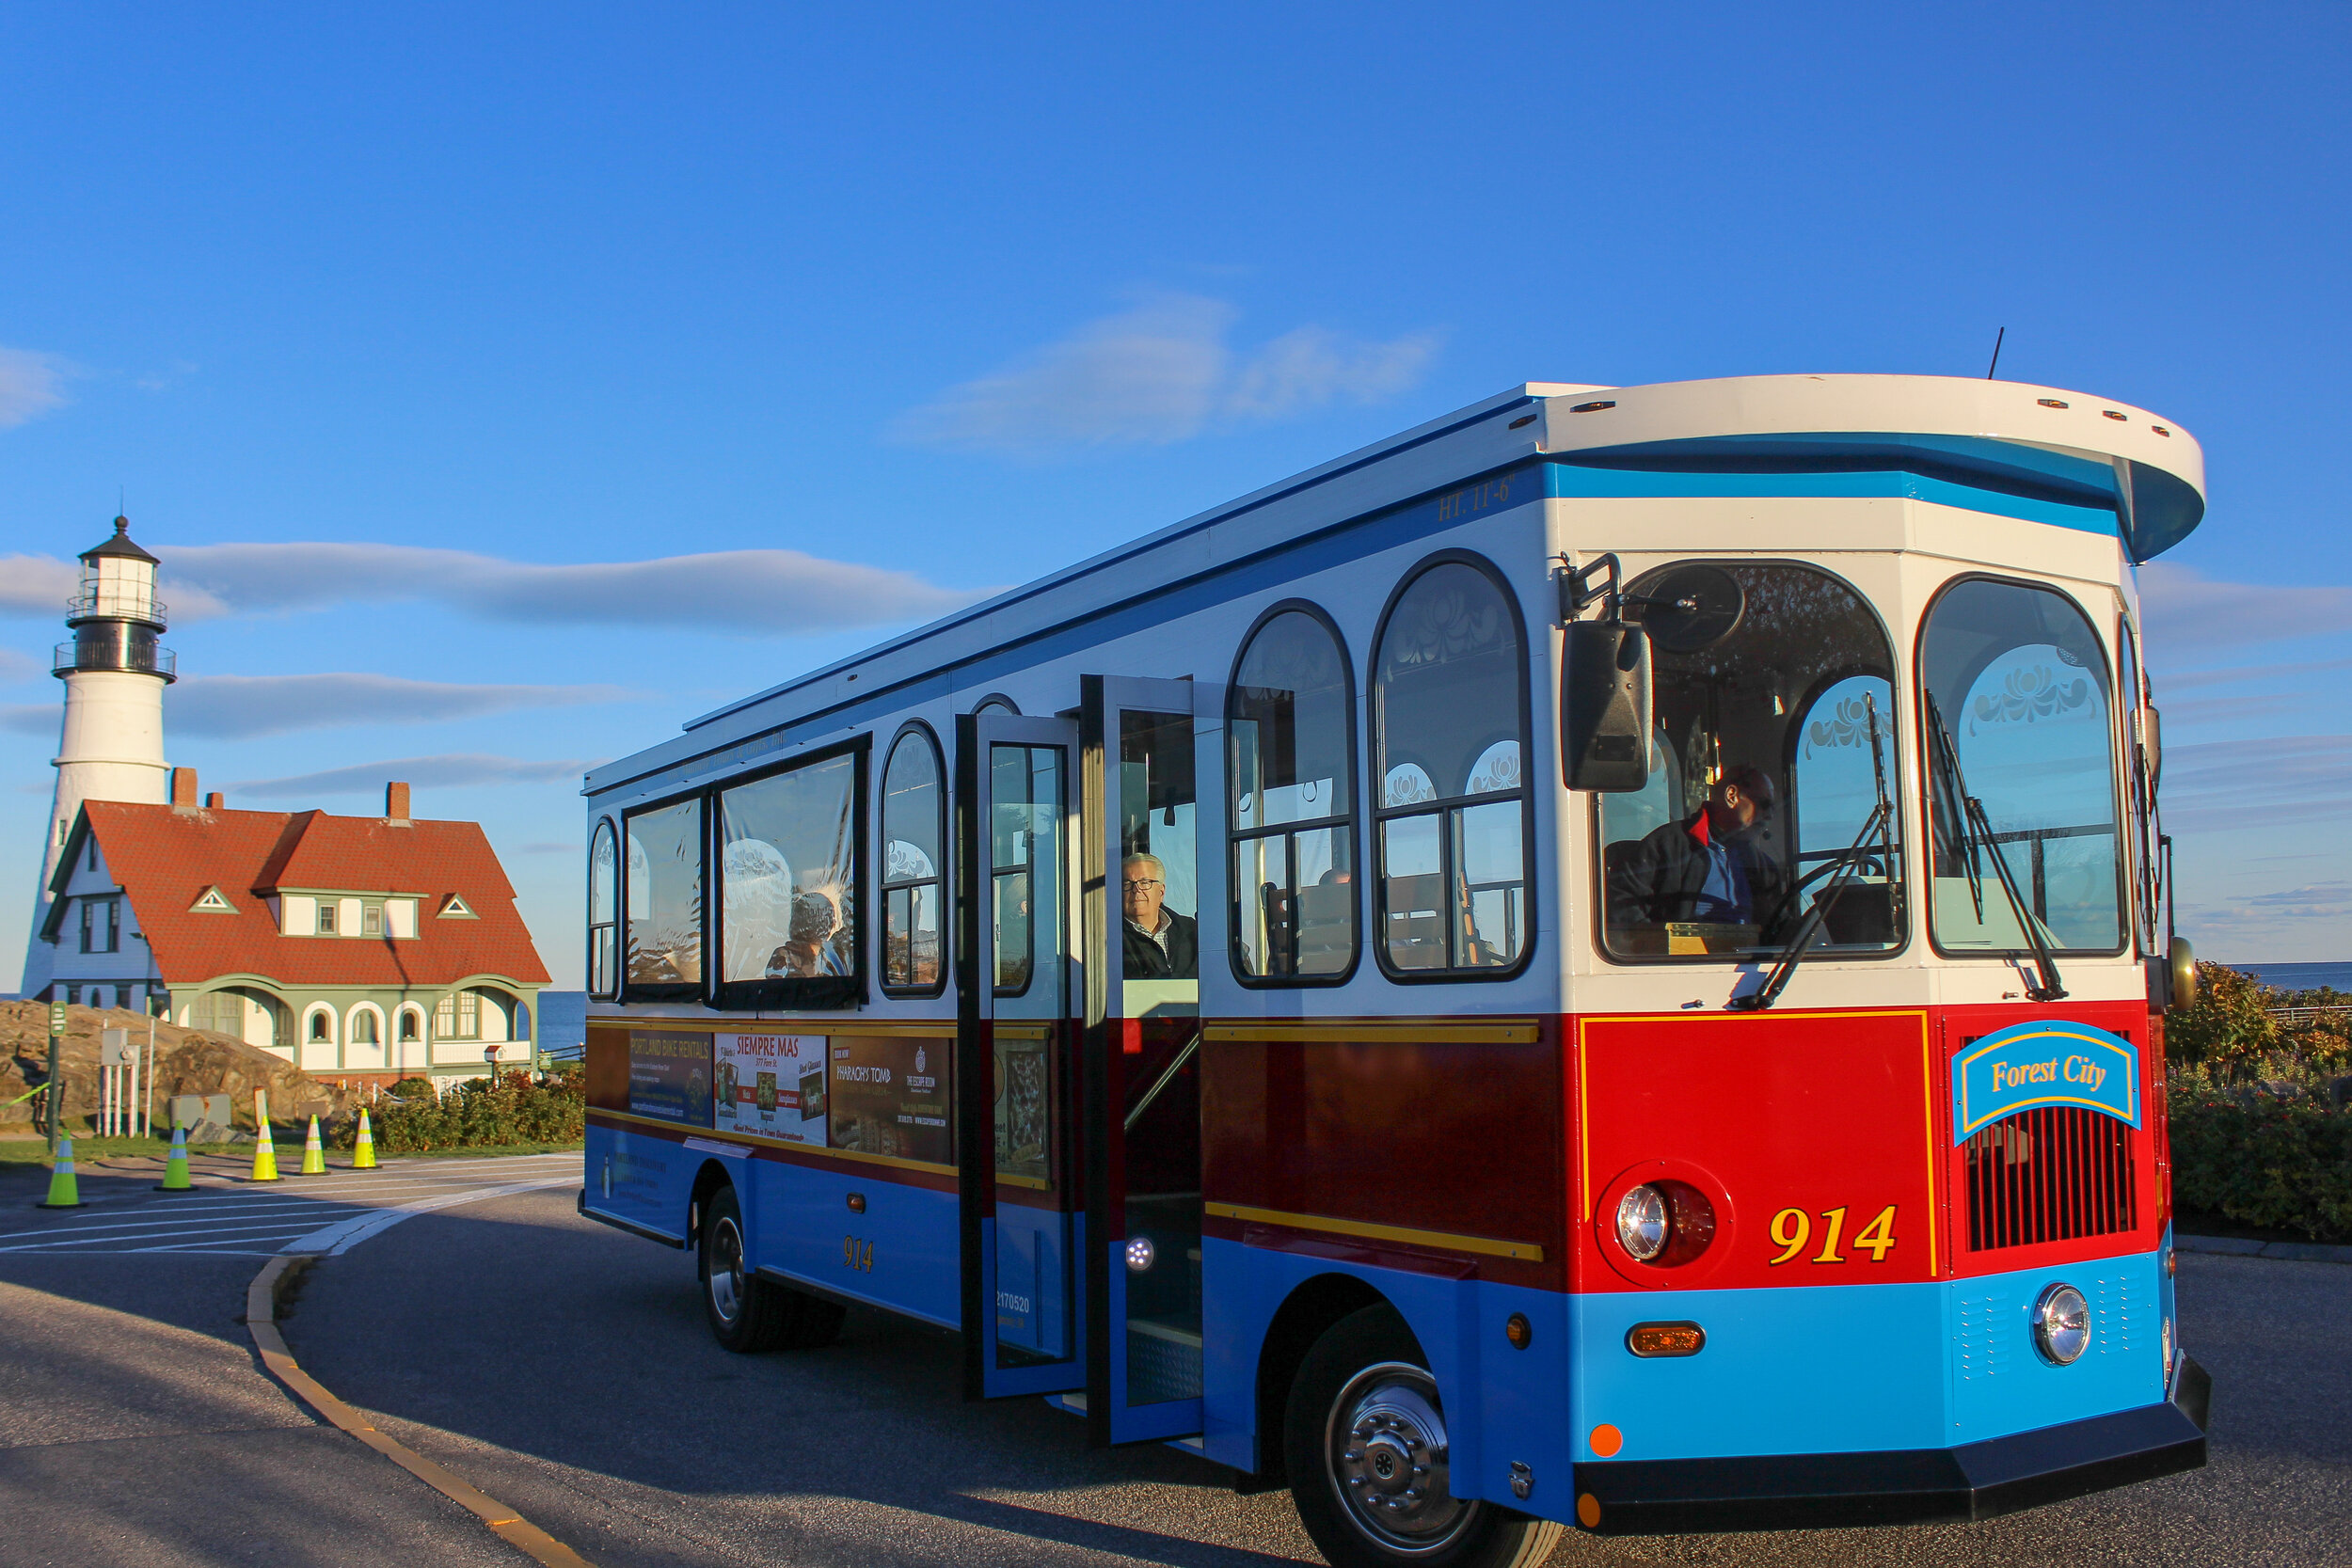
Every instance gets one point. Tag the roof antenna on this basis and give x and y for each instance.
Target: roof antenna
(1996, 354)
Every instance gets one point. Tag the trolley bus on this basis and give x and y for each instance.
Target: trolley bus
(1596, 964)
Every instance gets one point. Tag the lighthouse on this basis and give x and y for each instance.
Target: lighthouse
(115, 671)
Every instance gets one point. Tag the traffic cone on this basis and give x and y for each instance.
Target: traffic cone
(363, 1152)
(265, 1151)
(64, 1192)
(176, 1165)
(314, 1152)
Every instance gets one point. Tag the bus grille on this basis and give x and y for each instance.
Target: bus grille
(2051, 1175)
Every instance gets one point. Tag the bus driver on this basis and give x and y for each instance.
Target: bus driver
(1160, 943)
(1709, 869)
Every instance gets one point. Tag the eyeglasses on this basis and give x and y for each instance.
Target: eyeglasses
(1132, 883)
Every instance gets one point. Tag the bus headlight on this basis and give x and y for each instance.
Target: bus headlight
(1643, 1227)
(1140, 1254)
(2061, 1324)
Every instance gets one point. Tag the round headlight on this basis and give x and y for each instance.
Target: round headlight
(1140, 1254)
(2061, 1324)
(1643, 1227)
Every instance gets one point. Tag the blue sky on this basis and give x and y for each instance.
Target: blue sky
(432, 347)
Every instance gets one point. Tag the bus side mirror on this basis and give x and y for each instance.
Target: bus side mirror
(2153, 746)
(1605, 707)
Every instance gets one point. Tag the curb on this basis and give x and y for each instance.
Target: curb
(261, 1299)
(2246, 1247)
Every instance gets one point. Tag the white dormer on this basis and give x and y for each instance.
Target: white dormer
(455, 908)
(298, 915)
(211, 902)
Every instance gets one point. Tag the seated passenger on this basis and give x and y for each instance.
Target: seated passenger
(1160, 943)
(808, 953)
(1709, 869)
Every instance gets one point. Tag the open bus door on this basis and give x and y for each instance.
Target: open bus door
(1140, 1066)
(1021, 1225)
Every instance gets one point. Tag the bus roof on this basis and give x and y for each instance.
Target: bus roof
(2151, 471)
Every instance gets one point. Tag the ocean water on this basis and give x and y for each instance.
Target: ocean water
(563, 1023)
(2301, 977)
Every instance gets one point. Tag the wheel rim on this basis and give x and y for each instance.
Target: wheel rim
(1385, 1454)
(726, 1270)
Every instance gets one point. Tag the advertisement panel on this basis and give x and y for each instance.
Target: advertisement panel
(770, 1087)
(669, 1075)
(891, 1097)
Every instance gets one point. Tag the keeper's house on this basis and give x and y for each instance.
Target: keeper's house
(362, 946)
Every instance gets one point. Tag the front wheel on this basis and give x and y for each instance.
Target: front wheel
(1365, 1441)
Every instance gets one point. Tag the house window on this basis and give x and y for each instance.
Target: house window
(459, 1016)
(122, 996)
(363, 1027)
(409, 1018)
(102, 925)
(72, 996)
(372, 921)
(326, 917)
(93, 860)
(319, 1033)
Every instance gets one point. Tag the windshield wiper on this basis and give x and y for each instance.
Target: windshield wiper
(1880, 822)
(1973, 831)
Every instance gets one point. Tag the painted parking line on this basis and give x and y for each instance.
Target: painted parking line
(321, 1218)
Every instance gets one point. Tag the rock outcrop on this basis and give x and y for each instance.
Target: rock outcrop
(188, 1061)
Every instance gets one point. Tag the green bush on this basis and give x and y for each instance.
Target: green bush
(482, 1113)
(2279, 1162)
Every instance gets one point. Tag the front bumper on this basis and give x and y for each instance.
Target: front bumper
(1975, 1481)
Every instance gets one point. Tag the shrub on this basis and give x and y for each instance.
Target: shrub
(2229, 1022)
(2275, 1157)
(481, 1112)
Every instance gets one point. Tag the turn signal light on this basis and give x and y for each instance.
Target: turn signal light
(1656, 1340)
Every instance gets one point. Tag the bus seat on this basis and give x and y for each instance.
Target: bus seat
(1862, 915)
(1326, 927)
(1415, 928)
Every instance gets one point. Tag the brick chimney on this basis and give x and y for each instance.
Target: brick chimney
(396, 803)
(214, 802)
(183, 789)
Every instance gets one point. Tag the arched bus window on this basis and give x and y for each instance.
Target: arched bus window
(1291, 757)
(1449, 739)
(914, 828)
(2016, 694)
(663, 901)
(604, 900)
(1774, 746)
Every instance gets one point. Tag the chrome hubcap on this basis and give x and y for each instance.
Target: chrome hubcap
(1387, 1463)
(726, 1270)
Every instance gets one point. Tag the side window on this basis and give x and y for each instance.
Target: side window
(1774, 747)
(913, 867)
(2017, 702)
(1290, 760)
(1449, 721)
(664, 892)
(604, 896)
(788, 883)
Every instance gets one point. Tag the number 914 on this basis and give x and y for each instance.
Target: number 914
(1792, 1232)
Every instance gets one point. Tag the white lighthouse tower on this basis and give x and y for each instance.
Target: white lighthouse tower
(115, 671)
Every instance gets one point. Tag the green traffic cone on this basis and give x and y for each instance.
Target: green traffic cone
(64, 1192)
(176, 1165)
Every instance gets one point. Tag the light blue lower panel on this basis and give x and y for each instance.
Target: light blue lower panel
(1847, 1369)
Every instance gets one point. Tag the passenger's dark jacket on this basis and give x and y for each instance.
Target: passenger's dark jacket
(1182, 961)
(1657, 879)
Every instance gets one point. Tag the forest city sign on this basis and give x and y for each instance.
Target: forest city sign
(2043, 1063)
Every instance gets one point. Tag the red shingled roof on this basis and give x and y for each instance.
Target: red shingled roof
(165, 858)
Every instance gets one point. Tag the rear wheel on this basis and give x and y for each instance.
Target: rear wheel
(1364, 1438)
(746, 1313)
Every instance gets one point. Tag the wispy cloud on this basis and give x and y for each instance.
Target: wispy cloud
(1160, 372)
(447, 771)
(237, 706)
(15, 665)
(2237, 675)
(36, 585)
(549, 847)
(2188, 610)
(31, 384)
(2274, 781)
(31, 719)
(770, 593)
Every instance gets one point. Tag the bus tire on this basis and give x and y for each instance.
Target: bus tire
(746, 1313)
(1365, 1441)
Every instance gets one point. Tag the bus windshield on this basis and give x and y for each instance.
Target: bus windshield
(1763, 771)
